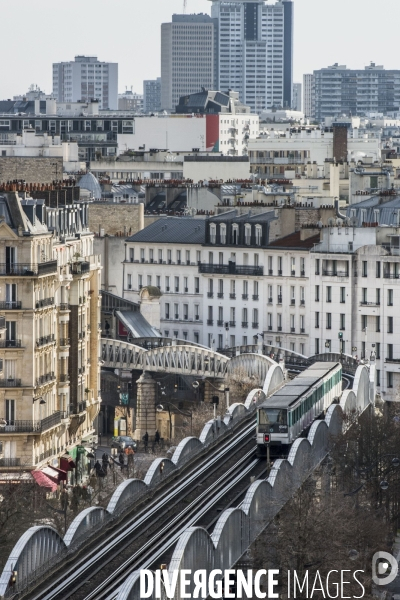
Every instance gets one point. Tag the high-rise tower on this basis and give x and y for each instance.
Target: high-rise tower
(255, 51)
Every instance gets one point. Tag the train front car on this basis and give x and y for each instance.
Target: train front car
(289, 413)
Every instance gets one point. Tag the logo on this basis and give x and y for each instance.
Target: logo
(384, 563)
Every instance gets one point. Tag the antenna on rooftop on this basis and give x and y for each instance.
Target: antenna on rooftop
(184, 6)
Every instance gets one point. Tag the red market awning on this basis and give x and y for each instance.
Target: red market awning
(55, 474)
(67, 463)
(44, 481)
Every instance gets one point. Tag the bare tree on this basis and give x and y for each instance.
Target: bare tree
(240, 384)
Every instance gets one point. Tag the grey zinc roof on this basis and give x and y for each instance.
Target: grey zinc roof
(234, 215)
(172, 230)
(364, 212)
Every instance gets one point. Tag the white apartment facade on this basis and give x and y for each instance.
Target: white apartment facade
(84, 79)
(255, 51)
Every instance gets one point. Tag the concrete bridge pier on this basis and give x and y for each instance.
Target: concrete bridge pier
(146, 406)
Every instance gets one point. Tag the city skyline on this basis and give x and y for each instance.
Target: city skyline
(110, 45)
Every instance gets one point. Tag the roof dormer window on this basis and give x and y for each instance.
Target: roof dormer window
(235, 234)
(213, 233)
(258, 235)
(222, 231)
(247, 234)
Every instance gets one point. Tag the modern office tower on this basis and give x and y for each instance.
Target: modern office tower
(297, 96)
(255, 51)
(152, 95)
(188, 57)
(308, 99)
(86, 78)
(339, 91)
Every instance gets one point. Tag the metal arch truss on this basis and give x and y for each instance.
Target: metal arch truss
(182, 359)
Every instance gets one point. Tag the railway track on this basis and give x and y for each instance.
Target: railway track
(69, 582)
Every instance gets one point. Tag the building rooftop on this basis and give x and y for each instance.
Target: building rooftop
(170, 230)
(294, 241)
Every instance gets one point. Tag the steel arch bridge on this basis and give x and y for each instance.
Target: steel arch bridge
(178, 356)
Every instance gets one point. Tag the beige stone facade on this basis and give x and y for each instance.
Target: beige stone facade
(31, 169)
(49, 348)
(116, 219)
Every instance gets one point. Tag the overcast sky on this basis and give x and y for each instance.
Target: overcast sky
(34, 35)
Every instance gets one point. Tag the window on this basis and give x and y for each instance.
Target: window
(185, 312)
(378, 350)
(142, 255)
(178, 257)
(196, 337)
(255, 317)
(210, 340)
(292, 323)
(222, 230)
(342, 295)
(131, 254)
(317, 321)
(232, 341)
(378, 378)
(255, 290)
(378, 296)
(279, 289)
(317, 267)
(302, 348)
(188, 257)
(293, 265)
(196, 285)
(247, 234)
(149, 279)
(213, 233)
(167, 310)
(269, 321)
(235, 234)
(364, 322)
(279, 321)
(302, 328)
(129, 282)
(210, 258)
(140, 281)
(378, 323)
(279, 265)
(302, 296)
(11, 295)
(169, 256)
(176, 284)
(317, 293)
(302, 267)
(198, 256)
(221, 258)
(390, 297)
(389, 379)
(390, 351)
(245, 294)
(270, 267)
(167, 284)
(329, 293)
(329, 320)
(342, 322)
(151, 255)
(197, 312)
(378, 269)
(390, 324)
(244, 317)
(176, 311)
(256, 259)
(316, 346)
(210, 288)
(185, 335)
(364, 295)
(186, 284)
(10, 411)
(258, 235)
(364, 268)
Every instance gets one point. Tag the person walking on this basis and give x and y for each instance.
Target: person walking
(121, 459)
(146, 441)
(157, 437)
(105, 462)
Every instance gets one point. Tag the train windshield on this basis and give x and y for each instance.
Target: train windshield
(270, 416)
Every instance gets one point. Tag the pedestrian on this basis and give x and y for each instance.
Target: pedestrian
(105, 462)
(121, 459)
(146, 441)
(130, 454)
(157, 437)
(97, 467)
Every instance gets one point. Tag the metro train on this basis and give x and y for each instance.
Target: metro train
(288, 413)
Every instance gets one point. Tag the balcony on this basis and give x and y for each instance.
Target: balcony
(335, 273)
(10, 462)
(269, 300)
(245, 296)
(10, 383)
(392, 360)
(255, 325)
(210, 322)
(79, 268)
(44, 302)
(10, 343)
(255, 296)
(292, 329)
(64, 306)
(43, 379)
(32, 426)
(231, 269)
(78, 409)
(279, 299)
(245, 324)
(232, 296)
(12, 305)
(390, 276)
(210, 295)
(63, 378)
(220, 295)
(232, 323)
(64, 342)
(220, 323)
(43, 341)
(28, 269)
(362, 303)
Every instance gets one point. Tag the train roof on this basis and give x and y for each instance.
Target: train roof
(299, 386)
